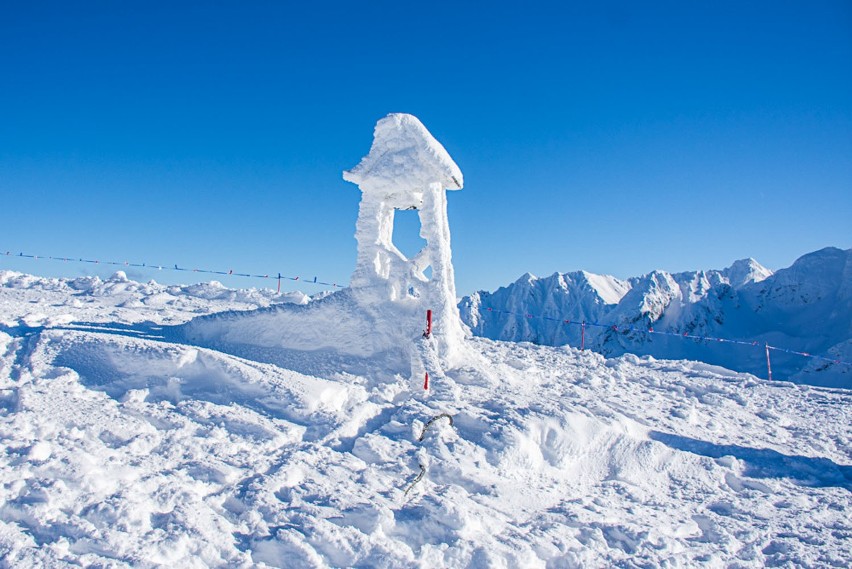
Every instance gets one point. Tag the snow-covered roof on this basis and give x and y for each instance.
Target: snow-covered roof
(404, 160)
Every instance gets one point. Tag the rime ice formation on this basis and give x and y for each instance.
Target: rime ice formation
(380, 317)
(407, 169)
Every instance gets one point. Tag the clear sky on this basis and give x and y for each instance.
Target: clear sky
(616, 137)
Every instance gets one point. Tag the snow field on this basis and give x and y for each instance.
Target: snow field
(129, 442)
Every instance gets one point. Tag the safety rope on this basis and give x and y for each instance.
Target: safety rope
(174, 267)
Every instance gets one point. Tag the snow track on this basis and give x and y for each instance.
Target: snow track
(126, 444)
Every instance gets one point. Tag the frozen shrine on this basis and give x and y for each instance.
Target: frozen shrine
(378, 321)
(407, 169)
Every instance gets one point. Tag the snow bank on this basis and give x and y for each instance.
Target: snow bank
(120, 299)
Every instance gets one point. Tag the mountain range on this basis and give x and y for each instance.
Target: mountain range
(806, 307)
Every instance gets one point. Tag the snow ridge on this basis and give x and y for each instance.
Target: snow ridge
(576, 296)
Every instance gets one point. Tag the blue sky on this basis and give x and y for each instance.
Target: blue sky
(617, 138)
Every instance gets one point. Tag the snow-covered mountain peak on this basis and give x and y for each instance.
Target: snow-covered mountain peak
(819, 283)
(526, 279)
(607, 289)
(829, 262)
(746, 271)
(662, 281)
(651, 295)
(610, 289)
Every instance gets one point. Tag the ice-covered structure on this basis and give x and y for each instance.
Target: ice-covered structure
(377, 322)
(407, 169)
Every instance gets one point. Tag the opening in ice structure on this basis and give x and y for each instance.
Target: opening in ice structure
(407, 169)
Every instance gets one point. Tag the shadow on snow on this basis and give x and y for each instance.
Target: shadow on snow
(767, 463)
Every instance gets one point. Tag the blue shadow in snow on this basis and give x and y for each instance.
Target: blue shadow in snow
(143, 330)
(767, 463)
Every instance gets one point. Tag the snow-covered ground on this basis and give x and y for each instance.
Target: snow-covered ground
(131, 440)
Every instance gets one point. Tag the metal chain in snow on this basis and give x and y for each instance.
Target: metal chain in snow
(423, 434)
(416, 480)
(432, 420)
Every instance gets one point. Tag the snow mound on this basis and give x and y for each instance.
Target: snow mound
(121, 299)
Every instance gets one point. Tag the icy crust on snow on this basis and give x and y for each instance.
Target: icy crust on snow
(404, 159)
(130, 447)
(806, 307)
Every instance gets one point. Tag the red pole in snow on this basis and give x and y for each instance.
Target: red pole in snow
(279, 283)
(768, 364)
(428, 333)
(583, 337)
(426, 382)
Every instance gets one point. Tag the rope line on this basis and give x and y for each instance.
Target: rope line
(650, 330)
(279, 277)
(174, 267)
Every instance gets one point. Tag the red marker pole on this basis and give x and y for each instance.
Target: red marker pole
(426, 382)
(428, 323)
(583, 337)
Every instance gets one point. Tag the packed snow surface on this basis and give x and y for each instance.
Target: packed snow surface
(126, 443)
